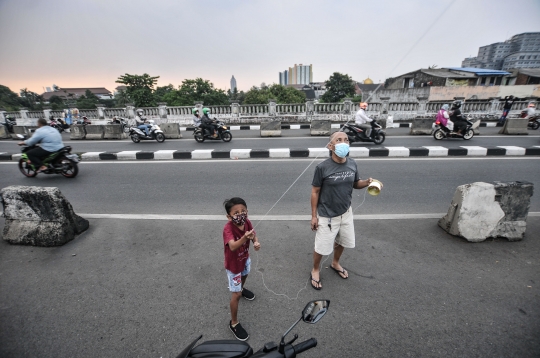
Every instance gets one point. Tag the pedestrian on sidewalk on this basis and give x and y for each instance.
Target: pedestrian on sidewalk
(237, 235)
(508, 102)
(331, 212)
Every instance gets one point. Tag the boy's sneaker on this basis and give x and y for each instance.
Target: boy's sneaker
(239, 332)
(248, 295)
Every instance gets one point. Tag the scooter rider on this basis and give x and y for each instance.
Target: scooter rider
(196, 118)
(361, 119)
(455, 116)
(207, 123)
(50, 141)
(141, 122)
(530, 111)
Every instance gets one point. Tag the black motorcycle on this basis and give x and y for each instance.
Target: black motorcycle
(312, 313)
(357, 134)
(534, 122)
(9, 123)
(441, 132)
(223, 133)
(122, 122)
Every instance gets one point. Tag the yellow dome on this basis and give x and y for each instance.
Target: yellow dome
(368, 81)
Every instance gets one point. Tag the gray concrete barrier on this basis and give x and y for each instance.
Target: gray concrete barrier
(271, 129)
(171, 130)
(95, 131)
(20, 130)
(113, 131)
(321, 127)
(515, 126)
(77, 131)
(482, 210)
(39, 216)
(421, 126)
(4, 133)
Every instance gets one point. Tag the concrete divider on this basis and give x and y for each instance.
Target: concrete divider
(4, 133)
(271, 129)
(515, 126)
(113, 131)
(482, 210)
(171, 130)
(20, 130)
(321, 127)
(421, 126)
(77, 131)
(95, 131)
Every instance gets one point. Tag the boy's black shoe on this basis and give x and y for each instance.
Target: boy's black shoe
(239, 332)
(248, 295)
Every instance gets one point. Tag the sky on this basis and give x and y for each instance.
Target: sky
(90, 43)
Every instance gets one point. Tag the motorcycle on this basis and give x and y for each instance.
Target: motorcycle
(311, 314)
(223, 133)
(58, 124)
(441, 132)
(156, 133)
(84, 121)
(357, 134)
(59, 162)
(534, 122)
(9, 123)
(121, 121)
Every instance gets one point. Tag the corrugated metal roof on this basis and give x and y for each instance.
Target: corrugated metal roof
(445, 73)
(480, 71)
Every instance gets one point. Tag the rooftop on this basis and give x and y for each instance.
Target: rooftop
(480, 71)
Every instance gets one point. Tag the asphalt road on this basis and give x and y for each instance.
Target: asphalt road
(292, 138)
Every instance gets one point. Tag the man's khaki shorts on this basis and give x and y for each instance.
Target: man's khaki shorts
(342, 233)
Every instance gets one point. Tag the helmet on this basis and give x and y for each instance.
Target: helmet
(84, 117)
(363, 105)
(456, 104)
(140, 111)
(206, 110)
(195, 110)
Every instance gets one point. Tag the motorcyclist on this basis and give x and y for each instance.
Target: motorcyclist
(141, 122)
(361, 119)
(196, 117)
(208, 123)
(442, 115)
(50, 141)
(530, 111)
(455, 116)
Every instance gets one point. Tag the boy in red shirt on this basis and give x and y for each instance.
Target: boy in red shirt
(237, 234)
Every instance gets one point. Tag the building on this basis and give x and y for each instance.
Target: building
(367, 88)
(521, 51)
(297, 75)
(526, 76)
(74, 93)
(448, 77)
(233, 83)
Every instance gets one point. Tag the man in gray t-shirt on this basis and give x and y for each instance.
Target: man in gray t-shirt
(331, 213)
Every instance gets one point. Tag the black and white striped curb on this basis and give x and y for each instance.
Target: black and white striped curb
(308, 126)
(355, 152)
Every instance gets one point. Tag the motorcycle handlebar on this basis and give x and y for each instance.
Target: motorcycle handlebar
(304, 346)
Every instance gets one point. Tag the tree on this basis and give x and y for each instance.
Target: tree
(56, 102)
(160, 92)
(30, 100)
(338, 86)
(121, 98)
(87, 101)
(140, 88)
(280, 93)
(198, 89)
(234, 95)
(9, 100)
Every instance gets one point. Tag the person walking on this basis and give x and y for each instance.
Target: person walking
(508, 102)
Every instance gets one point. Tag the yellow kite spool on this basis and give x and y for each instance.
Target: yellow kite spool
(374, 187)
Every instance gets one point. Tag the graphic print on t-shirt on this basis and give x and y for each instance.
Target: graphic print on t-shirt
(341, 175)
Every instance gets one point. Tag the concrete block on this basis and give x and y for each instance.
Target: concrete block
(512, 150)
(164, 154)
(113, 131)
(127, 155)
(321, 127)
(515, 126)
(357, 152)
(202, 154)
(20, 130)
(279, 153)
(39, 216)
(319, 152)
(482, 210)
(398, 151)
(473, 150)
(171, 130)
(240, 153)
(421, 126)
(95, 131)
(78, 131)
(271, 129)
(437, 151)
(4, 133)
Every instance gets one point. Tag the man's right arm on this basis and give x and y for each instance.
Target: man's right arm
(315, 192)
(35, 138)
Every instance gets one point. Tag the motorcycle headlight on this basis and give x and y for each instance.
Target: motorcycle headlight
(224, 127)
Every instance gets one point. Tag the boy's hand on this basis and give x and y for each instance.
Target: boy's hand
(257, 246)
(250, 235)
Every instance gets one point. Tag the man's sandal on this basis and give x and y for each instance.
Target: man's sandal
(341, 272)
(317, 282)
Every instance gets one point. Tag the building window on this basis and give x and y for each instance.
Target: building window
(483, 82)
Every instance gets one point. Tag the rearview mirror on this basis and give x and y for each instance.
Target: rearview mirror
(20, 136)
(315, 310)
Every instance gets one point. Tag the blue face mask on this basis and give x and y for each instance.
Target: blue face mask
(341, 150)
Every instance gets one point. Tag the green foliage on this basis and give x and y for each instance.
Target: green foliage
(121, 98)
(338, 86)
(357, 99)
(280, 93)
(198, 89)
(9, 100)
(87, 101)
(236, 96)
(56, 102)
(30, 100)
(140, 88)
(160, 92)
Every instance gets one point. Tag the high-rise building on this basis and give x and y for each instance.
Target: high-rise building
(297, 75)
(233, 83)
(521, 51)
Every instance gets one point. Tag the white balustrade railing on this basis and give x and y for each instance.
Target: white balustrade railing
(13, 114)
(115, 112)
(89, 113)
